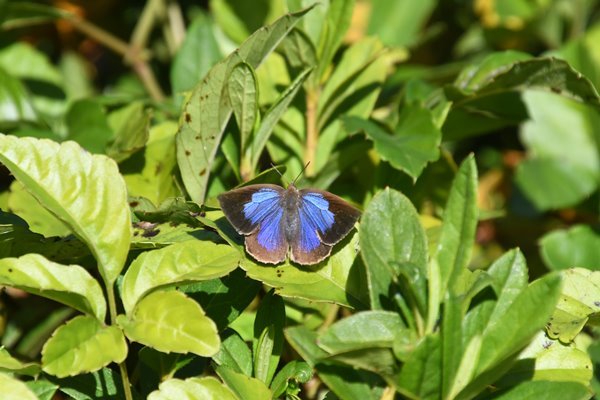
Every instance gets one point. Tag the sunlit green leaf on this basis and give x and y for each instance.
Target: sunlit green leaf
(83, 190)
(245, 387)
(13, 389)
(575, 247)
(68, 284)
(82, 345)
(188, 261)
(171, 322)
(203, 388)
(10, 364)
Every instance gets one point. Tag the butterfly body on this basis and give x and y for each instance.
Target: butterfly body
(306, 223)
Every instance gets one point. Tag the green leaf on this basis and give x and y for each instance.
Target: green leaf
(23, 60)
(105, 384)
(188, 261)
(15, 105)
(458, 227)
(10, 364)
(22, 203)
(130, 125)
(335, 24)
(577, 303)
(197, 54)
(87, 124)
(496, 102)
(564, 164)
(225, 298)
(154, 180)
(273, 115)
(549, 360)
(298, 49)
(243, 97)
(421, 375)
(82, 345)
(350, 333)
(244, 387)
(546, 390)
(392, 248)
(206, 113)
(14, 389)
(337, 279)
(343, 380)
(575, 247)
(234, 353)
(399, 23)
(290, 377)
(68, 284)
(414, 143)
(203, 388)
(171, 322)
(23, 13)
(267, 342)
(43, 389)
(527, 314)
(83, 190)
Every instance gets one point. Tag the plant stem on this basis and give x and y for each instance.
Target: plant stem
(134, 55)
(312, 131)
(112, 307)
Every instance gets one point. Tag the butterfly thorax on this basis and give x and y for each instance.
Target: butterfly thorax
(291, 220)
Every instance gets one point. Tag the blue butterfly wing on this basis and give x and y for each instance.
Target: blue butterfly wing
(324, 219)
(255, 211)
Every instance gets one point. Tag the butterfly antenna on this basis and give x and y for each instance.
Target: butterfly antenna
(300, 174)
(277, 170)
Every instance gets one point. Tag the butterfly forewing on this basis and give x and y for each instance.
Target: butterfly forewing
(342, 213)
(256, 211)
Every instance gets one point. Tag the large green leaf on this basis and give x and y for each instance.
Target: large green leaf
(206, 112)
(399, 23)
(563, 142)
(273, 115)
(130, 126)
(22, 203)
(413, 144)
(526, 315)
(393, 245)
(10, 364)
(364, 330)
(171, 322)
(82, 345)
(580, 290)
(575, 247)
(243, 97)
(335, 23)
(267, 342)
(458, 226)
(197, 54)
(234, 353)
(192, 260)
(245, 387)
(13, 389)
(492, 99)
(337, 279)
(421, 374)
(154, 180)
(347, 382)
(68, 284)
(83, 190)
(205, 388)
(15, 105)
(549, 360)
(546, 390)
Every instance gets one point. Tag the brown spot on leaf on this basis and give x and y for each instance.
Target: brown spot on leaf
(202, 172)
(187, 152)
(134, 203)
(188, 117)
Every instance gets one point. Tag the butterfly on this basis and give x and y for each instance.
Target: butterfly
(276, 220)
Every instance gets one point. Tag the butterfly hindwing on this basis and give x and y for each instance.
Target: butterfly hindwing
(256, 211)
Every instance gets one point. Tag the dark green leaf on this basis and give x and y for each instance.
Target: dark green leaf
(268, 336)
(575, 247)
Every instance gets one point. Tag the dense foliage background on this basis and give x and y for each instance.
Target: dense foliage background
(467, 131)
